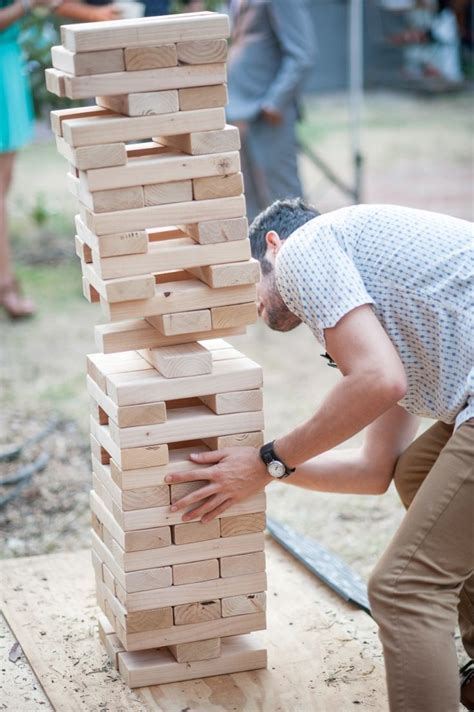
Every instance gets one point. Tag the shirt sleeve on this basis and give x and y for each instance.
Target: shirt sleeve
(317, 279)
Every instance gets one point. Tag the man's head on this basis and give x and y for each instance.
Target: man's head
(267, 234)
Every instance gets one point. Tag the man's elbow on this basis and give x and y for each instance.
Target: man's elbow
(389, 388)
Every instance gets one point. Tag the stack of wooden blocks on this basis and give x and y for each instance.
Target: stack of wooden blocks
(163, 241)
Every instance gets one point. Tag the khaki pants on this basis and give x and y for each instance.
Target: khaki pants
(425, 579)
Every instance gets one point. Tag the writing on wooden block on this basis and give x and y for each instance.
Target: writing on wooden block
(244, 604)
(199, 650)
(182, 489)
(194, 572)
(212, 231)
(202, 97)
(196, 531)
(182, 322)
(184, 360)
(234, 402)
(234, 315)
(242, 564)
(218, 186)
(254, 439)
(202, 51)
(200, 612)
(205, 141)
(150, 57)
(120, 243)
(243, 524)
(165, 193)
(87, 63)
(143, 104)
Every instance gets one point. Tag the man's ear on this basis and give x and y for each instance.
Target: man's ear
(273, 241)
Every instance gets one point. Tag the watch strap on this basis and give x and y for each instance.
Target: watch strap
(268, 455)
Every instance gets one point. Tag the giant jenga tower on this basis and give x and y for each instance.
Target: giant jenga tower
(162, 237)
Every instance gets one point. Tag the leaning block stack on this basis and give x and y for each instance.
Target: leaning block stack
(162, 238)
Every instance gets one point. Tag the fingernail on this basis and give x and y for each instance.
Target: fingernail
(174, 508)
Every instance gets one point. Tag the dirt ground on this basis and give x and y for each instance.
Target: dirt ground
(418, 152)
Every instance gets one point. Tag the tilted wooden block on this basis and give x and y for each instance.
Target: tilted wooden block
(86, 63)
(218, 186)
(115, 83)
(228, 275)
(195, 572)
(146, 32)
(242, 524)
(196, 531)
(115, 128)
(85, 157)
(202, 51)
(242, 565)
(142, 104)
(199, 612)
(150, 57)
(235, 402)
(80, 112)
(239, 440)
(165, 193)
(184, 360)
(160, 166)
(202, 97)
(182, 322)
(243, 605)
(199, 650)
(212, 231)
(203, 141)
(237, 315)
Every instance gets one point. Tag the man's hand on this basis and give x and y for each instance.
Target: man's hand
(234, 474)
(272, 116)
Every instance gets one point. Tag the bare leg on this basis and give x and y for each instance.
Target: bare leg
(10, 299)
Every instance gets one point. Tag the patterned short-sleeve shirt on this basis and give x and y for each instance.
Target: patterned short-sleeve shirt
(416, 269)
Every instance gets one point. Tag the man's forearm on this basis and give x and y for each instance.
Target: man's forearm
(351, 405)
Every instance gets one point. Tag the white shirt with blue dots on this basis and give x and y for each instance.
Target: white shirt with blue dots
(416, 269)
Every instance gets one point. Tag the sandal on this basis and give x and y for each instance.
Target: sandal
(466, 675)
(16, 306)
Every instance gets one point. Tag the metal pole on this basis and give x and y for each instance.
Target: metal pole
(356, 89)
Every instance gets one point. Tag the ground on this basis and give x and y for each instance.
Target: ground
(418, 153)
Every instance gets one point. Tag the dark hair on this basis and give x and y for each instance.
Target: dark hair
(282, 216)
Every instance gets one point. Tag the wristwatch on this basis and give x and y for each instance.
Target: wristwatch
(275, 466)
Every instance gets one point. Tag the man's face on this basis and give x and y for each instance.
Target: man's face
(271, 306)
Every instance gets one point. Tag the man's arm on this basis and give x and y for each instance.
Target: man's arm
(372, 384)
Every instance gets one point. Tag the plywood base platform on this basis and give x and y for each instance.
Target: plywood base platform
(322, 653)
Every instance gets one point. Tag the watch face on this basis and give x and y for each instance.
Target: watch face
(276, 469)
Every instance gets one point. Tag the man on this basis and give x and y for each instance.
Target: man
(389, 292)
(272, 48)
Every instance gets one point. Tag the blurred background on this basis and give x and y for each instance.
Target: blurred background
(386, 116)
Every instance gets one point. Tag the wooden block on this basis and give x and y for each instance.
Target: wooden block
(156, 667)
(109, 640)
(212, 231)
(109, 579)
(129, 458)
(151, 57)
(165, 193)
(55, 82)
(163, 215)
(140, 334)
(202, 97)
(242, 564)
(149, 620)
(240, 440)
(104, 201)
(127, 289)
(243, 524)
(99, 156)
(199, 612)
(146, 497)
(184, 360)
(238, 315)
(83, 251)
(235, 402)
(152, 476)
(195, 572)
(184, 488)
(155, 538)
(218, 186)
(79, 112)
(196, 531)
(146, 32)
(161, 167)
(143, 104)
(202, 51)
(203, 141)
(89, 292)
(228, 275)
(199, 650)
(127, 416)
(182, 322)
(87, 63)
(99, 452)
(184, 424)
(120, 243)
(243, 605)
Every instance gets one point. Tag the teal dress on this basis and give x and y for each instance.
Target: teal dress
(16, 104)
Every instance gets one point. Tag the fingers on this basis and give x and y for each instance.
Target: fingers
(210, 504)
(190, 476)
(218, 510)
(193, 497)
(207, 458)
